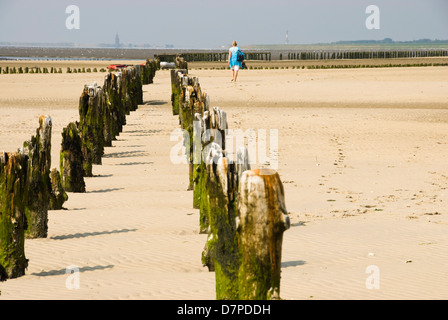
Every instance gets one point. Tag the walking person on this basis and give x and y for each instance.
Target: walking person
(234, 64)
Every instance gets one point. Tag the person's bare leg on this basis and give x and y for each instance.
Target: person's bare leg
(235, 75)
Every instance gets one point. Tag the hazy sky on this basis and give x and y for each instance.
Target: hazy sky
(211, 24)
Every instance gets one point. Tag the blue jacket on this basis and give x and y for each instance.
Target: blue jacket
(233, 58)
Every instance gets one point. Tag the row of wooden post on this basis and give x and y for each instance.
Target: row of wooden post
(357, 54)
(28, 188)
(212, 56)
(102, 115)
(242, 210)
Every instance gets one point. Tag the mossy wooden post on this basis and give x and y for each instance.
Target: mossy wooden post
(187, 119)
(117, 103)
(108, 116)
(124, 95)
(199, 127)
(180, 63)
(201, 183)
(71, 160)
(213, 124)
(116, 117)
(221, 250)
(131, 91)
(58, 195)
(38, 150)
(13, 197)
(176, 89)
(91, 125)
(149, 71)
(262, 219)
(134, 87)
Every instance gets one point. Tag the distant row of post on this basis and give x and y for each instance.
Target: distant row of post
(358, 54)
(332, 54)
(213, 56)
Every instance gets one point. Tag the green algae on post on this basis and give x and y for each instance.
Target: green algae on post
(91, 124)
(221, 250)
(58, 195)
(38, 150)
(13, 198)
(71, 160)
(262, 219)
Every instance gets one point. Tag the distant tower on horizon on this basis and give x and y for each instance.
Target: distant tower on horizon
(117, 41)
(287, 37)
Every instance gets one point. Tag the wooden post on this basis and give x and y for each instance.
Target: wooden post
(191, 103)
(187, 123)
(58, 195)
(149, 71)
(38, 150)
(108, 114)
(112, 104)
(219, 196)
(221, 250)
(180, 63)
(91, 126)
(135, 87)
(13, 197)
(210, 127)
(71, 160)
(262, 219)
(176, 89)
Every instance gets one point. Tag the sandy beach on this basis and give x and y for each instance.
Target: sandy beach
(362, 156)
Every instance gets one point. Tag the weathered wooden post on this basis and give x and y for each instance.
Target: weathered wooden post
(190, 103)
(135, 87)
(91, 126)
(122, 93)
(180, 63)
(219, 196)
(13, 198)
(71, 160)
(58, 195)
(38, 150)
(149, 71)
(221, 250)
(108, 116)
(114, 106)
(262, 219)
(176, 88)
(212, 128)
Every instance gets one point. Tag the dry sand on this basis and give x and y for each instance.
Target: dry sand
(362, 155)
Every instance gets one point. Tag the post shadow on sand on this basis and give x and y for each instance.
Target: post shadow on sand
(134, 163)
(294, 263)
(64, 271)
(143, 133)
(155, 103)
(105, 190)
(103, 175)
(126, 154)
(90, 234)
